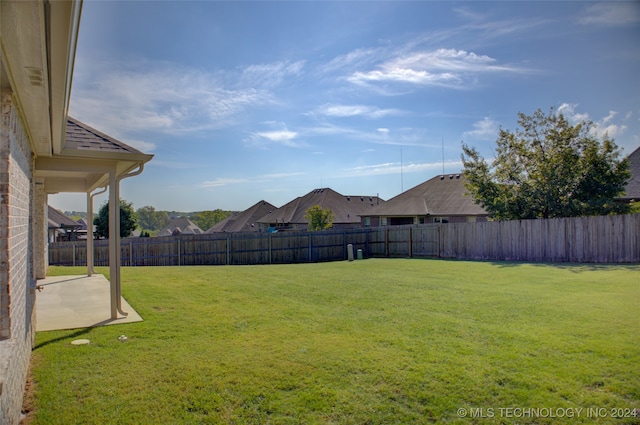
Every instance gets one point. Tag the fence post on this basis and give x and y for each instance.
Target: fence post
(179, 260)
(386, 242)
(270, 234)
(130, 253)
(366, 243)
(228, 252)
(309, 245)
(410, 242)
(74, 255)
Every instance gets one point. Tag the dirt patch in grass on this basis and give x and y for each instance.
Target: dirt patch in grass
(29, 400)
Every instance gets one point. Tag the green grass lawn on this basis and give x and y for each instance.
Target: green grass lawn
(379, 341)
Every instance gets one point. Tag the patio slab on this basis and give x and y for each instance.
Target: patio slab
(72, 302)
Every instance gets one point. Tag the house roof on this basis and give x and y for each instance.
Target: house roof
(243, 221)
(181, 226)
(57, 219)
(443, 195)
(84, 224)
(86, 160)
(632, 189)
(346, 209)
(80, 136)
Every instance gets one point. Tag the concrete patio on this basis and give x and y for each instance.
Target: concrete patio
(72, 302)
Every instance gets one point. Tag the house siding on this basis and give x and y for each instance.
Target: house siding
(17, 264)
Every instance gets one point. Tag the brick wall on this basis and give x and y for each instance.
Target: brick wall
(39, 214)
(17, 274)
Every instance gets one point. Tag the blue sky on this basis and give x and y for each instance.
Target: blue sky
(244, 101)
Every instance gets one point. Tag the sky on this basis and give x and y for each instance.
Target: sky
(246, 101)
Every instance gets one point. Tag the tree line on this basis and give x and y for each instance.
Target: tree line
(150, 221)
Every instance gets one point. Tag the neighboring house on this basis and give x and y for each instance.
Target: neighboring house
(442, 199)
(82, 230)
(632, 189)
(180, 226)
(245, 221)
(61, 227)
(37, 157)
(346, 210)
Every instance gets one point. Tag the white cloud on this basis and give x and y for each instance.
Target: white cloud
(441, 67)
(611, 14)
(270, 75)
(397, 168)
(410, 76)
(273, 176)
(163, 97)
(601, 128)
(280, 134)
(227, 181)
(355, 58)
(569, 111)
(341, 111)
(222, 181)
(485, 129)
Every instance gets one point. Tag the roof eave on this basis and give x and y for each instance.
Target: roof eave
(64, 18)
(108, 155)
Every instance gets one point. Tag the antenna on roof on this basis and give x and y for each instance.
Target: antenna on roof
(401, 177)
(442, 155)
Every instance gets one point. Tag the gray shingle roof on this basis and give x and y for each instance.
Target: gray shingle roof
(346, 209)
(58, 219)
(443, 195)
(632, 189)
(80, 136)
(243, 221)
(180, 226)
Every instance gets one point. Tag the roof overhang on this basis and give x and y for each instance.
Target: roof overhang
(84, 171)
(37, 51)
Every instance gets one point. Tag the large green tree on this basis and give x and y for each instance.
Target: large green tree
(548, 168)
(150, 219)
(128, 220)
(319, 218)
(207, 219)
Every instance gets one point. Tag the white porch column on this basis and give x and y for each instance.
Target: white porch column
(89, 234)
(114, 242)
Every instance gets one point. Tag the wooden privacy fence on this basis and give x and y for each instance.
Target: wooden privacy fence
(603, 239)
(606, 239)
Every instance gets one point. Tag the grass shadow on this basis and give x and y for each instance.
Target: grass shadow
(74, 335)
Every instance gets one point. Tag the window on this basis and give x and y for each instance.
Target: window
(400, 221)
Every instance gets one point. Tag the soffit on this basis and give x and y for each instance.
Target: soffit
(37, 45)
(24, 63)
(79, 174)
